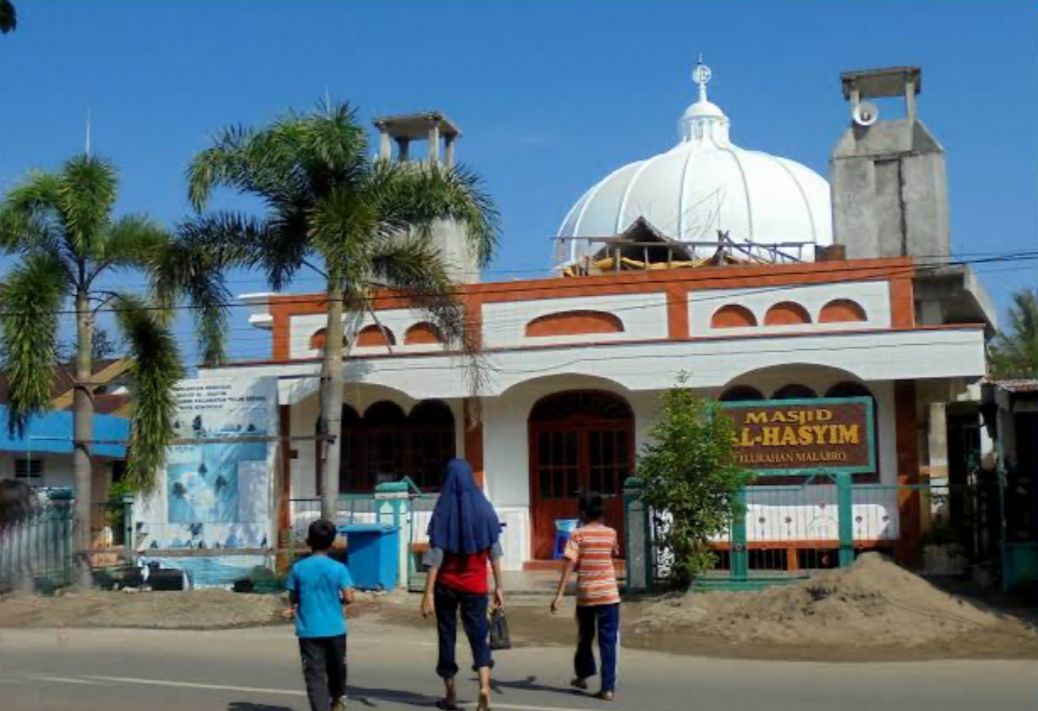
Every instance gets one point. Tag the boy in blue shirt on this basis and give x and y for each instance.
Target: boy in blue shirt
(318, 587)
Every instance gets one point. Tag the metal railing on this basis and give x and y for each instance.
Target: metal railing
(786, 532)
(350, 509)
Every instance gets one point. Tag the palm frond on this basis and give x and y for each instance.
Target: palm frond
(26, 232)
(415, 195)
(194, 265)
(155, 370)
(8, 17)
(335, 144)
(343, 230)
(1014, 353)
(221, 164)
(87, 192)
(39, 190)
(30, 301)
(414, 268)
(132, 241)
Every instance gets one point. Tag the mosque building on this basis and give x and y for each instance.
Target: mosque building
(824, 313)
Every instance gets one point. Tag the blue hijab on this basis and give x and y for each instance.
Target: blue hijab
(463, 521)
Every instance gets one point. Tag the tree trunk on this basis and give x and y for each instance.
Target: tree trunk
(331, 403)
(83, 428)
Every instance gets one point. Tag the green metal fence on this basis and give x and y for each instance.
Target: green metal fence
(786, 532)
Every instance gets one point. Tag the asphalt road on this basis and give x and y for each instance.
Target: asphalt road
(391, 668)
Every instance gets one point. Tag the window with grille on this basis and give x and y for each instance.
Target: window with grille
(28, 468)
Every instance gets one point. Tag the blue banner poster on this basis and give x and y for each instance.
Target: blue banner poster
(216, 489)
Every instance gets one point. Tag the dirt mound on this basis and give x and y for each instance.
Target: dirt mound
(191, 609)
(874, 603)
(197, 609)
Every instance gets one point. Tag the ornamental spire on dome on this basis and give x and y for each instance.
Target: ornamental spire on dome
(701, 75)
(703, 120)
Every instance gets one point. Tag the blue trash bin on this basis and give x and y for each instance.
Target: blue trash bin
(372, 553)
(564, 528)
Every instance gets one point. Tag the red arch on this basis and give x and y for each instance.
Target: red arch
(317, 339)
(422, 333)
(839, 310)
(732, 316)
(570, 323)
(786, 313)
(375, 335)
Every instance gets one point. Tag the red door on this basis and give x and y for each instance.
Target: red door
(580, 441)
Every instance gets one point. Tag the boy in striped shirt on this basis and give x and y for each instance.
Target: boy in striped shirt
(590, 551)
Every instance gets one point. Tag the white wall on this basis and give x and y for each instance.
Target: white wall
(908, 354)
(303, 327)
(57, 471)
(644, 316)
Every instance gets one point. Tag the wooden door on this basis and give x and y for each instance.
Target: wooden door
(577, 446)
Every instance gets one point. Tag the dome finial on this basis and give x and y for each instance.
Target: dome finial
(701, 75)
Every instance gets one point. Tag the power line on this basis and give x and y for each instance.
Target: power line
(578, 283)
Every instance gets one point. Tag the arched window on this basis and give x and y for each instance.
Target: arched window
(732, 316)
(794, 391)
(432, 443)
(839, 310)
(786, 313)
(383, 455)
(581, 403)
(741, 393)
(386, 444)
(422, 333)
(375, 335)
(570, 323)
(848, 388)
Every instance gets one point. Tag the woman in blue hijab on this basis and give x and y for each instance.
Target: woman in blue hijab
(464, 538)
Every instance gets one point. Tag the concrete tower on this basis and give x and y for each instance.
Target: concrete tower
(889, 181)
(434, 128)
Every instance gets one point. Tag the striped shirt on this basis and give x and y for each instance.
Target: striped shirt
(592, 548)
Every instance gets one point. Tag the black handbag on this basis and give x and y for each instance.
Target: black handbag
(499, 638)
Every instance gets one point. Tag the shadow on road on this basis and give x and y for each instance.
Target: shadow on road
(530, 684)
(362, 696)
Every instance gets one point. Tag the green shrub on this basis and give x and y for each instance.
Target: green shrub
(690, 480)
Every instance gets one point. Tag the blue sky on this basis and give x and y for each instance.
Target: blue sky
(550, 95)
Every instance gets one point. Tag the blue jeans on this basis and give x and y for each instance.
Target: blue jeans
(607, 619)
(473, 607)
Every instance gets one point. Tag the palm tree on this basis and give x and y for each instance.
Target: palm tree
(1015, 354)
(61, 226)
(360, 223)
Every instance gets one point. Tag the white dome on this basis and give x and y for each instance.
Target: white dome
(703, 185)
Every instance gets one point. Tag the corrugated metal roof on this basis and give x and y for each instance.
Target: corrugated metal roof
(52, 433)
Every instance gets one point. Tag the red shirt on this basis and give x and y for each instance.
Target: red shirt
(465, 573)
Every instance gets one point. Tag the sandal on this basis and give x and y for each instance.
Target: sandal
(484, 702)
